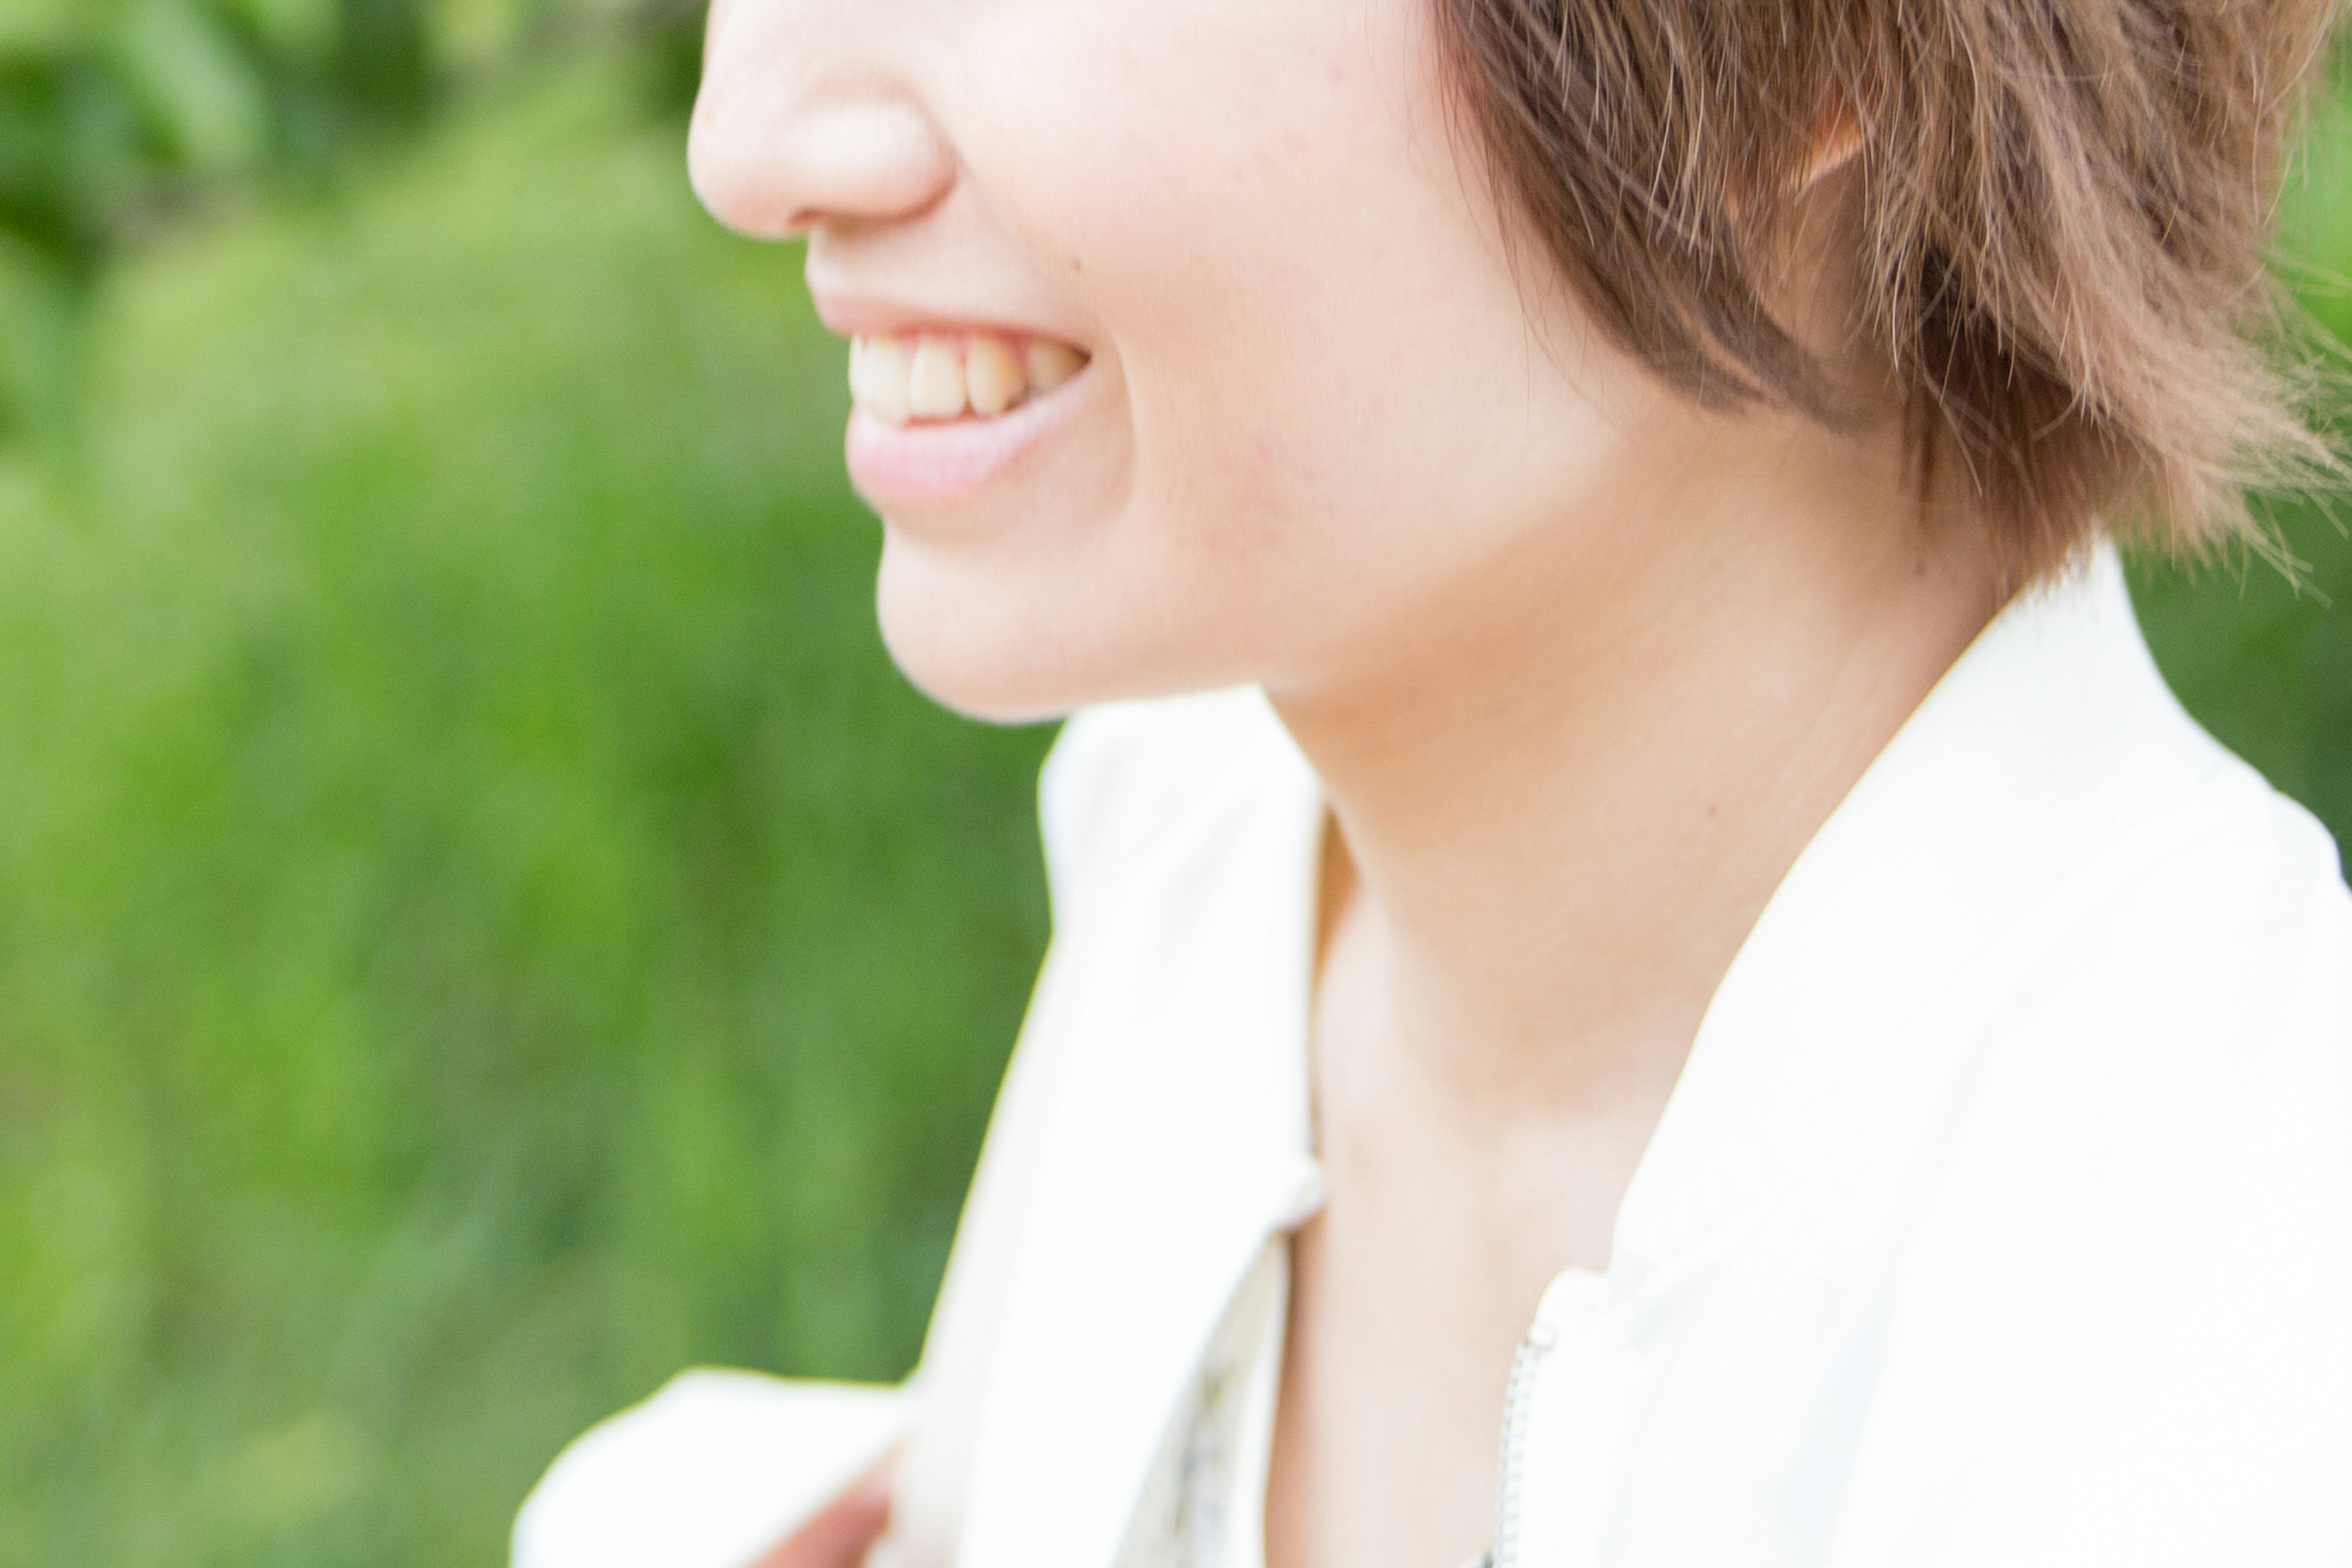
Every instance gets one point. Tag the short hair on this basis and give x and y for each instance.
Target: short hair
(2062, 212)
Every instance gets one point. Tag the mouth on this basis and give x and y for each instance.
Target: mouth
(940, 412)
(927, 377)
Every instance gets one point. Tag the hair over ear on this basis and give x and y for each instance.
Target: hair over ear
(2063, 208)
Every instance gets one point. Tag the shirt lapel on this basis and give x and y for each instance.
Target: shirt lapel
(2052, 730)
(1179, 1144)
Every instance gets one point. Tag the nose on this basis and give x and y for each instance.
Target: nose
(802, 120)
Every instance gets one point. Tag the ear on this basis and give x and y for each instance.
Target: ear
(1837, 141)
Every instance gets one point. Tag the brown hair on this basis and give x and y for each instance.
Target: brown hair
(2062, 214)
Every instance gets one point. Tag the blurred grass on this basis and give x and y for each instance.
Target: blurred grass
(481, 924)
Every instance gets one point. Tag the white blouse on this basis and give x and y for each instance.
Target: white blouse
(2002, 1215)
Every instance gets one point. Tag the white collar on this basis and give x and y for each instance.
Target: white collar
(1186, 1142)
(2051, 744)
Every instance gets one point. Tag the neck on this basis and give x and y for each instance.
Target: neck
(1565, 795)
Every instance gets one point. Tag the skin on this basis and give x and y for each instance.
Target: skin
(837, 1537)
(1582, 667)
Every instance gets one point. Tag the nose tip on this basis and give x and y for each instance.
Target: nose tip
(772, 164)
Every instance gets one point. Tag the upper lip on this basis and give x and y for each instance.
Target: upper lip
(855, 315)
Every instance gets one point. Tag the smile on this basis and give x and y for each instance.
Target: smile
(908, 378)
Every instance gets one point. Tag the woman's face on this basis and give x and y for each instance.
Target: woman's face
(1316, 420)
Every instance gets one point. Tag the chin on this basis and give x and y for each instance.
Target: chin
(973, 650)
(1018, 647)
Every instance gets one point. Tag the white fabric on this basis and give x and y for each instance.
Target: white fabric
(2002, 1216)
(710, 1472)
(1194, 1509)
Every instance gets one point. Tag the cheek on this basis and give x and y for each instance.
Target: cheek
(1258, 201)
(1327, 388)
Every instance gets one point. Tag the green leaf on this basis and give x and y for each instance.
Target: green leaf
(45, 26)
(201, 95)
(469, 35)
(38, 315)
(300, 29)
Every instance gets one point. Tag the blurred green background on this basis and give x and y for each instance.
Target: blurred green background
(481, 923)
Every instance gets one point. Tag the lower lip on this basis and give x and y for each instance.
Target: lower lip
(932, 463)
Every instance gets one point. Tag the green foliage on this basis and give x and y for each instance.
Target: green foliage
(111, 108)
(481, 923)
(118, 117)
(2316, 221)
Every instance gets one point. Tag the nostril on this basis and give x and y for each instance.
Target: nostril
(774, 169)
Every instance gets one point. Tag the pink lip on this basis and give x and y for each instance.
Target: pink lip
(927, 464)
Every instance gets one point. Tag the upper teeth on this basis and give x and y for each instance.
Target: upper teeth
(940, 375)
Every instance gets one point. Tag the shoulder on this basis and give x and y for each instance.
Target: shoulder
(2165, 1039)
(2115, 1323)
(2138, 1234)
(2150, 916)
(2209, 951)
